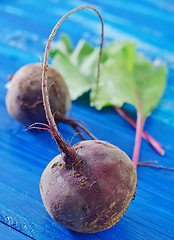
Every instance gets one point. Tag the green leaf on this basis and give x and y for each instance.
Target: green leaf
(127, 49)
(64, 45)
(85, 57)
(125, 77)
(82, 50)
(116, 85)
(150, 82)
(77, 83)
(142, 87)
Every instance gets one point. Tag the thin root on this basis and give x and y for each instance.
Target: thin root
(91, 186)
(10, 77)
(150, 164)
(33, 105)
(75, 125)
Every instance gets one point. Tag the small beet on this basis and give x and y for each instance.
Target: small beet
(89, 186)
(94, 192)
(24, 98)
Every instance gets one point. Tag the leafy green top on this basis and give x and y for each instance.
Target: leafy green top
(125, 76)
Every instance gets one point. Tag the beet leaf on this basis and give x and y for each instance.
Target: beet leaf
(125, 77)
(76, 81)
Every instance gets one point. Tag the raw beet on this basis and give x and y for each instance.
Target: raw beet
(89, 186)
(93, 192)
(24, 97)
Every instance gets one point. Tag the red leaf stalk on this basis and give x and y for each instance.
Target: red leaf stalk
(156, 145)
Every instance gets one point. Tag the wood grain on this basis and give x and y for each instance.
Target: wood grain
(25, 26)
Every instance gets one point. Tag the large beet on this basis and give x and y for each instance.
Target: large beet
(89, 186)
(92, 193)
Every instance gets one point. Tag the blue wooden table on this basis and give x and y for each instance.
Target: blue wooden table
(24, 28)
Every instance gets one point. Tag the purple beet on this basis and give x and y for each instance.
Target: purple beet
(89, 186)
(91, 192)
(24, 97)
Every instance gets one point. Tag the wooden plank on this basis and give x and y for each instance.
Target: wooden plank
(9, 233)
(24, 155)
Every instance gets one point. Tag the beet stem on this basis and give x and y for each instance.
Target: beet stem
(139, 131)
(138, 137)
(154, 143)
(67, 149)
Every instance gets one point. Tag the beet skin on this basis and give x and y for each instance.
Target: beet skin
(93, 192)
(24, 97)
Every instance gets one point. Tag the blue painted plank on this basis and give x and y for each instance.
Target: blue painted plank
(9, 233)
(37, 224)
(22, 182)
(22, 39)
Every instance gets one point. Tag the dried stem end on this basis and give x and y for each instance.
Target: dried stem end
(66, 148)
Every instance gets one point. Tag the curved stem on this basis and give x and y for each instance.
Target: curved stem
(63, 146)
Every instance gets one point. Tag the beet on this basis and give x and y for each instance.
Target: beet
(89, 186)
(24, 97)
(94, 192)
